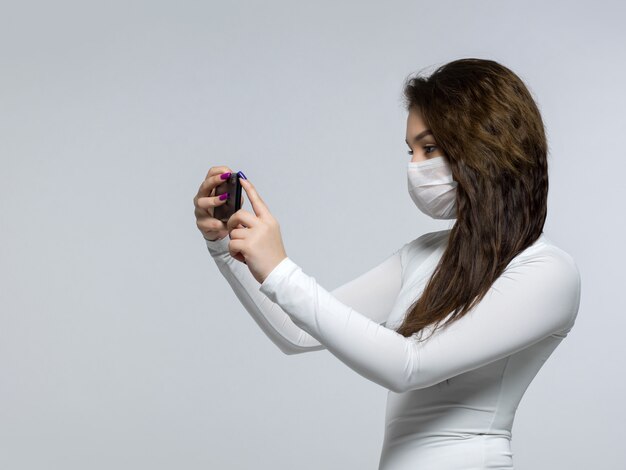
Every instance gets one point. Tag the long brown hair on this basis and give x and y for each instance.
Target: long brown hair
(487, 124)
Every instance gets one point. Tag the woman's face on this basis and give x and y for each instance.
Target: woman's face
(422, 145)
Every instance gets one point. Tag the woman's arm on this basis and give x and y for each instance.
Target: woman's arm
(372, 293)
(534, 298)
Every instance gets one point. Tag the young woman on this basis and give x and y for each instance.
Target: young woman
(455, 323)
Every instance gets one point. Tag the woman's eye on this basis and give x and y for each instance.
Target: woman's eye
(429, 149)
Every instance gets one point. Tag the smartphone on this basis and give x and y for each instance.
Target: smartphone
(233, 203)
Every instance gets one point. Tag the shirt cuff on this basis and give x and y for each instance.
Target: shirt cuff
(218, 247)
(276, 277)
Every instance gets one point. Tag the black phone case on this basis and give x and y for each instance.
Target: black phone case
(233, 203)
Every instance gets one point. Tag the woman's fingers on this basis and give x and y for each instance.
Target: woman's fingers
(258, 205)
(211, 180)
(216, 170)
(241, 217)
(204, 199)
(204, 202)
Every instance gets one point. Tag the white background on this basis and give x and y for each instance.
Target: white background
(121, 346)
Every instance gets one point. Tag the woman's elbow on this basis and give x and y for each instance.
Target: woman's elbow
(291, 350)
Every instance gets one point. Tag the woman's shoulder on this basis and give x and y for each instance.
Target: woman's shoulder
(544, 264)
(545, 249)
(428, 240)
(543, 246)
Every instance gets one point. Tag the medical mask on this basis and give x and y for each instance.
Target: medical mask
(432, 188)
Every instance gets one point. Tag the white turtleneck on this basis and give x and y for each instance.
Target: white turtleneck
(452, 398)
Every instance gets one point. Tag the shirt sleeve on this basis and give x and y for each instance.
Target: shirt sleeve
(373, 293)
(534, 298)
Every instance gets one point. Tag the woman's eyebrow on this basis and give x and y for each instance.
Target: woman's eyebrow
(420, 136)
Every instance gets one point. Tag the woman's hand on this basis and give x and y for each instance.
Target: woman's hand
(255, 239)
(212, 229)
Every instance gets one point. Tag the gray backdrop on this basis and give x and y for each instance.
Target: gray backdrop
(121, 346)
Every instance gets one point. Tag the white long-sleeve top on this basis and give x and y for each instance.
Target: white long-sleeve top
(461, 386)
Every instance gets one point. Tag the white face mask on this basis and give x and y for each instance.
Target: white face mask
(432, 188)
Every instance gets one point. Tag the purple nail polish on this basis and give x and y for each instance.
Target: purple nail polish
(225, 176)
(223, 196)
(241, 175)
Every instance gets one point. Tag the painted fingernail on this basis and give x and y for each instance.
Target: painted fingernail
(224, 196)
(241, 175)
(225, 176)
